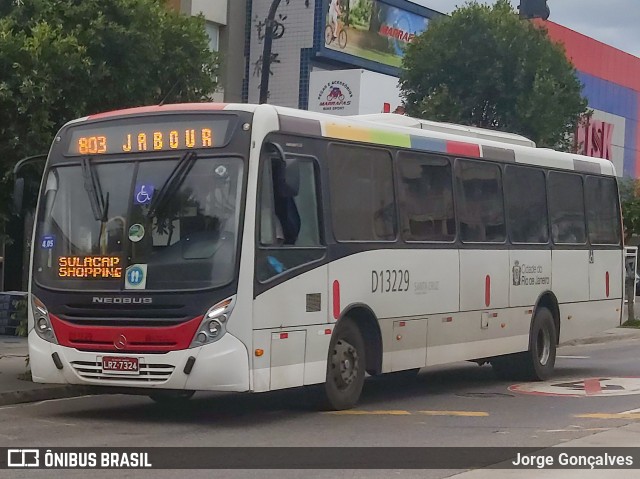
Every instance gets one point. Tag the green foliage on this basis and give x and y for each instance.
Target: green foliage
(630, 203)
(631, 323)
(485, 67)
(21, 314)
(63, 59)
(360, 14)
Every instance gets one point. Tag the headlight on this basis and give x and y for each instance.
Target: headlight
(41, 320)
(213, 325)
(214, 328)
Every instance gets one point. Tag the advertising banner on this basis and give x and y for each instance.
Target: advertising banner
(371, 30)
(352, 92)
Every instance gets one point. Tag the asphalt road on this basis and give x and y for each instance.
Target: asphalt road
(458, 405)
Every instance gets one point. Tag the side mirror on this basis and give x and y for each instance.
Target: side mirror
(18, 195)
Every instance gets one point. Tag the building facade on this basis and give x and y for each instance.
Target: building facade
(225, 25)
(611, 80)
(314, 68)
(310, 42)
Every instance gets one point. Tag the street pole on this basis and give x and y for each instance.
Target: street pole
(266, 52)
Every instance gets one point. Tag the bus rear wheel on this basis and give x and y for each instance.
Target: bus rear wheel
(345, 366)
(538, 362)
(541, 357)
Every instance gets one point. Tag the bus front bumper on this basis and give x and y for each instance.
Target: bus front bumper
(219, 366)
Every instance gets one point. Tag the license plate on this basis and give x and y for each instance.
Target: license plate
(120, 365)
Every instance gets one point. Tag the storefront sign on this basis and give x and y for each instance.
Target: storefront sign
(375, 31)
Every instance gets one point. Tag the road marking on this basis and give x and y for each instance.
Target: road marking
(594, 429)
(630, 411)
(620, 415)
(56, 423)
(360, 412)
(572, 357)
(455, 413)
(58, 399)
(581, 387)
(592, 386)
(7, 407)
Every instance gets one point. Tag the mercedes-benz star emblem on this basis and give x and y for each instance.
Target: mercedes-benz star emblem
(120, 342)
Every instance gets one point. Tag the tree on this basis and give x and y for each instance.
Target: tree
(630, 203)
(484, 67)
(62, 59)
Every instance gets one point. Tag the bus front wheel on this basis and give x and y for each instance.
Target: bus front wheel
(345, 366)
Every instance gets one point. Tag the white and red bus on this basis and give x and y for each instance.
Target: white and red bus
(218, 247)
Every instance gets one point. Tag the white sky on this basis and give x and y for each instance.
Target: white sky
(614, 22)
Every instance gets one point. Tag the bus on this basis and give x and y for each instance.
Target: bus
(235, 247)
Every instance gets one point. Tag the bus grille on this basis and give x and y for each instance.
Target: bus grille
(149, 373)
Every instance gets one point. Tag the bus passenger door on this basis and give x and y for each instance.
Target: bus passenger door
(291, 277)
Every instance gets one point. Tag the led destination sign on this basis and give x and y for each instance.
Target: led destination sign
(98, 267)
(143, 137)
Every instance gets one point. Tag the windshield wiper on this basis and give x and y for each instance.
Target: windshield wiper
(99, 205)
(173, 182)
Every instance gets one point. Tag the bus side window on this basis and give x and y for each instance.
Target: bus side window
(525, 190)
(426, 192)
(566, 208)
(289, 220)
(480, 202)
(362, 194)
(603, 214)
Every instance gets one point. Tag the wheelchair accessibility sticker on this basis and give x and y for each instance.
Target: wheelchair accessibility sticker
(143, 194)
(590, 387)
(136, 277)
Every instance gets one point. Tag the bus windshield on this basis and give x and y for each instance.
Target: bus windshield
(159, 224)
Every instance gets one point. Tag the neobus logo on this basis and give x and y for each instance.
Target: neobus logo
(104, 300)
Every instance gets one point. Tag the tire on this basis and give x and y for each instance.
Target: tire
(342, 38)
(171, 397)
(346, 363)
(543, 339)
(538, 362)
(328, 35)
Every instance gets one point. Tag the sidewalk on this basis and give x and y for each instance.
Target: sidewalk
(15, 380)
(625, 436)
(16, 387)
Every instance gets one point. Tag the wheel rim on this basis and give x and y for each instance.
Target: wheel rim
(544, 346)
(345, 364)
(328, 35)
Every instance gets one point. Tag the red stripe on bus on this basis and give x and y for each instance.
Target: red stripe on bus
(152, 339)
(487, 291)
(607, 284)
(461, 148)
(336, 299)
(157, 109)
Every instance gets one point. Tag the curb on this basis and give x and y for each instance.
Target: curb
(42, 394)
(624, 335)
